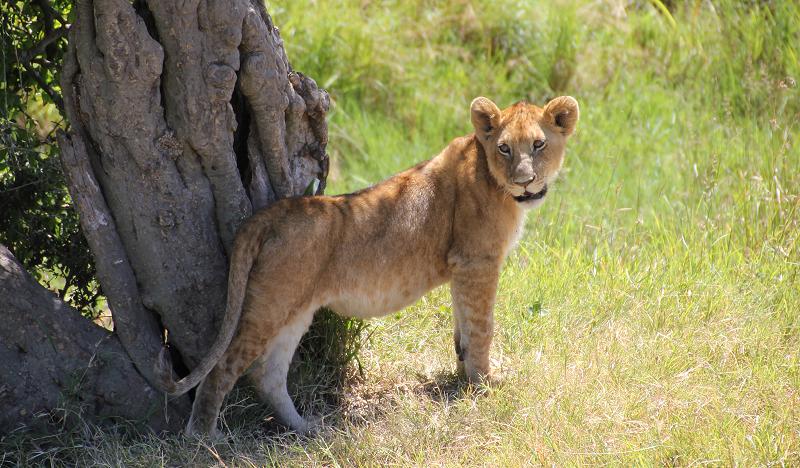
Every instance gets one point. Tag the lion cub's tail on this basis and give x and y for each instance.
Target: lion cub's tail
(242, 258)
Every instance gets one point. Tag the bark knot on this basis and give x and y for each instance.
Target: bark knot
(222, 78)
(168, 144)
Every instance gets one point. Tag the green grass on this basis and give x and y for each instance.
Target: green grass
(650, 315)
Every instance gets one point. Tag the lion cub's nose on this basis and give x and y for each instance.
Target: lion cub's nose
(524, 180)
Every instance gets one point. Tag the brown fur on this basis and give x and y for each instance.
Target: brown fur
(453, 218)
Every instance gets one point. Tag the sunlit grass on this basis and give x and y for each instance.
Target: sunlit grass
(650, 313)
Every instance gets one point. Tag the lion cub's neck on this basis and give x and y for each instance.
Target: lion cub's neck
(487, 221)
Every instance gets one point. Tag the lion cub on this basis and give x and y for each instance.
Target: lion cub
(453, 218)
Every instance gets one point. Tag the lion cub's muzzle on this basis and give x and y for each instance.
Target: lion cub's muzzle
(527, 196)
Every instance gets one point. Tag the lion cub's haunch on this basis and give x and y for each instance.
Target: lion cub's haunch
(453, 218)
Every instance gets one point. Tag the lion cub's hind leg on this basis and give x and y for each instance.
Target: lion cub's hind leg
(246, 346)
(269, 372)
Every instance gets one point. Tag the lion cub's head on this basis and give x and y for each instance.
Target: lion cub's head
(524, 143)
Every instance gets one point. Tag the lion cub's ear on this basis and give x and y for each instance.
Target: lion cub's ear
(563, 112)
(485, 117)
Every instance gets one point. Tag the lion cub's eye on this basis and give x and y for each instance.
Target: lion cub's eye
(504, 150)
(539, 144)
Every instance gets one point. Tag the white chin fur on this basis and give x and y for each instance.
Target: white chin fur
(531, 204)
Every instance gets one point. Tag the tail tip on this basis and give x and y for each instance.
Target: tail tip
(163, 371)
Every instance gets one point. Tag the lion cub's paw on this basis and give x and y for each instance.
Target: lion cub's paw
(484, 381)
(493, 378)
(311, 426)
(214, 435)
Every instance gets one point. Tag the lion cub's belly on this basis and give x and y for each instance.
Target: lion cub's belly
(369, 301)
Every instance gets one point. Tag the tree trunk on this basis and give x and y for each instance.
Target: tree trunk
(184, 118)
(58, 366)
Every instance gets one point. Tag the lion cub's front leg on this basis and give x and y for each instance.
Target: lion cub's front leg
(473, 292)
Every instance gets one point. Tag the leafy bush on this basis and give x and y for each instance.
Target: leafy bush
(37, 222)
